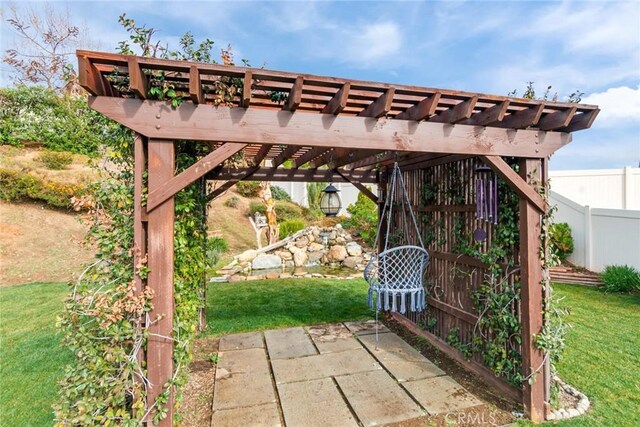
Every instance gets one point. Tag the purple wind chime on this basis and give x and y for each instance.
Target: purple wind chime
(486, 199)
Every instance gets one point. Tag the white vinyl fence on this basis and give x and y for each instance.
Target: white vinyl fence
(602, 236)
(600, 188)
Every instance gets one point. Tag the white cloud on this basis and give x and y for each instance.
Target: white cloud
(372, 42)
(617, 104)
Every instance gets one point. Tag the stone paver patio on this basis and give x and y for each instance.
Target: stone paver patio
(329, 375)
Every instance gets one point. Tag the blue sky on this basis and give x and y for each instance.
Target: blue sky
(490, 47)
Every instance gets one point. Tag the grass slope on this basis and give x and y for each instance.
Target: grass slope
(602, 357)
(31, 357)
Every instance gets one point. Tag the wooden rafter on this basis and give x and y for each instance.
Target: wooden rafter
(260, 126)
(295, 95)
(490, 115)
(191, 174)
(339, 100)
(246, 89)
(137, 79)
(89, 77)
(523, 118)
(456, 114)
(516, 182)
(261, 154)
(285, 155)
(363, 189)
(309, 156)
(557, 120)
(195, 86)
(422, 110)
(380, 106)
(352, 157)
(581, 121)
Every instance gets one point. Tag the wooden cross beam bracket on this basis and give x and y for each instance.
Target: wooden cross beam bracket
(363, 189)
(191, 174)
(297, 175)
(156, 119)
(515, 181)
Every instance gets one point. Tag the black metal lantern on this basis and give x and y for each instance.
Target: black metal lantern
(330, 203)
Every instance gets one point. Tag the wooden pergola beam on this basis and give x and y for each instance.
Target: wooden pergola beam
(89, 77)
(380, 106)
(261, 154)
(515, 181)
(339, 101)
(296, 175)
(363, 189)
(285, 155)
(155, 119)
(422, 110)
(581, 121)
(522, 119)
(199, 169)
(352, 157)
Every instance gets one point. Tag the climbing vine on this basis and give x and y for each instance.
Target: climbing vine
(105, 320)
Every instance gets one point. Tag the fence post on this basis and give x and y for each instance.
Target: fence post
(588, 241)
(626, 189)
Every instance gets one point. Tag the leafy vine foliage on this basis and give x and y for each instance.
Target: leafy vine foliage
(105, 320)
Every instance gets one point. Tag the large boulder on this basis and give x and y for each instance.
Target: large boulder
(300, 258)
(247, 256)
(352, 261)
(354, 249)
(315, 257)
(337, 253)
(315, 247)
(265, 261)
(302, 242)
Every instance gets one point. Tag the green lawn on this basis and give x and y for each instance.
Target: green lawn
(602, 357)
(31, 358)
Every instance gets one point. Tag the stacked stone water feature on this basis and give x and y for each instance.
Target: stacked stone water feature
(315, 246)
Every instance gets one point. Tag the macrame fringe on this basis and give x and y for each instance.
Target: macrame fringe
(417, 300)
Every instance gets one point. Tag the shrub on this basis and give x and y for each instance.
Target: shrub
(364, 219)
(278, 193)
(232, 202)
(18, 186)
(620, 278)
(561, 241)
(285, 211)
(287, 228)
(60, 123)
(215, 247)
(248, 188)
(56, 160)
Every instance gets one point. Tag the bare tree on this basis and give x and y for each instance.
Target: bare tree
(44, 47)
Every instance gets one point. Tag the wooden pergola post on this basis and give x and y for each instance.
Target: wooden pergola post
(531, 296)
(160, 252)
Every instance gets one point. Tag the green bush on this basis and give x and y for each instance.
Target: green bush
(18, 186)
(232, 202)
(215, 247)
(620, 278)
(60, 123)
(248, 188)
(287, 228)
(561, 241)
(278, 193)
(56, 160)
(364, 219)
(285, 211)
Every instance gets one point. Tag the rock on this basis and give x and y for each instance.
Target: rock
(273, 275)
(285, 255)
(289, 264)
(258, 277)
(300, 258)
(247, 256)
(333, 235)
(338, 226)
(354, 249)
(316, 275)
(307, 276)
(315, 257)
(302, 242)
(237, 278)
(341, 240)
(337, 253)
(265, 261)
(311, 237)
(285, 275)
(299, 273)
(573, 413)
(314, 247)
(352, 261)
(551, 416)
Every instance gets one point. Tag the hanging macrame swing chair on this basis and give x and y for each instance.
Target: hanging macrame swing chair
(397, 273)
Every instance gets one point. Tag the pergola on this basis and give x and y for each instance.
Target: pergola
(342, 131)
